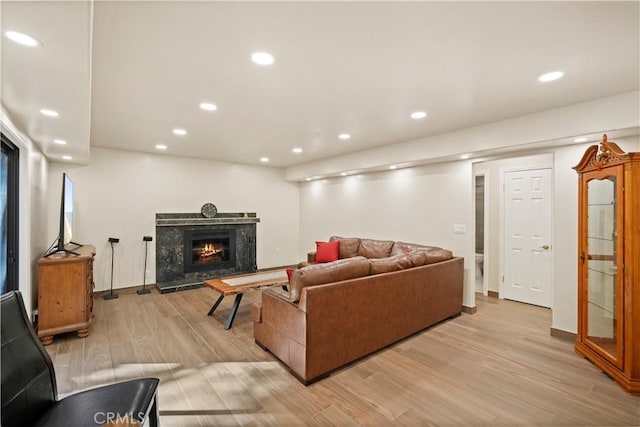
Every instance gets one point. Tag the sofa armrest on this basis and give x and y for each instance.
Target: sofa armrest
(283, 314)
(256, 312)
(282, 330)
(278, 293)
(311, 257)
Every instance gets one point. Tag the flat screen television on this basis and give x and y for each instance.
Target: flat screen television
(65, 233)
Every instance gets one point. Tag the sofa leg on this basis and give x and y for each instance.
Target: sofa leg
(313, 380)
(259, 344)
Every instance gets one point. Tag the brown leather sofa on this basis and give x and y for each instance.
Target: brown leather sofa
(377, 293)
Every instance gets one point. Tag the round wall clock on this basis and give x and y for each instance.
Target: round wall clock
(209, 210)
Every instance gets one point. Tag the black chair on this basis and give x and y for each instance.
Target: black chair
(29, 393)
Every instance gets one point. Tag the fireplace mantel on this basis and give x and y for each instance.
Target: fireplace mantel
(176, 219)
(171, 229)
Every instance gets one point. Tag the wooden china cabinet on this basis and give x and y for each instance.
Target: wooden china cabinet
(609, 262)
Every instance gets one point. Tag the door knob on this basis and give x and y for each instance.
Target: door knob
(545, 247)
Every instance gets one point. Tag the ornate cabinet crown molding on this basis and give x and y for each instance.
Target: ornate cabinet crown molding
(608, 153)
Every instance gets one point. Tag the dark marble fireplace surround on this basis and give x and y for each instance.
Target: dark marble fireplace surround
(173, 228)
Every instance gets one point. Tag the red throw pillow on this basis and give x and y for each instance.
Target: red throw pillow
(327, 251)
(289, 273)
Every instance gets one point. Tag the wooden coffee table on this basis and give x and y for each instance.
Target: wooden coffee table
(238, 285)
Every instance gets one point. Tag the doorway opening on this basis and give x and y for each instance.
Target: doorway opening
(481, 182)
(479, 259)
(9, 185)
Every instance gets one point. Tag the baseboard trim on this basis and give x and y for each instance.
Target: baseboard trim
(127, 290)
(563, 335)
(493, 294)
(469, 310)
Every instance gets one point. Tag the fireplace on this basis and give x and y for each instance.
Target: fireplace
(191, 248)
(209, 250)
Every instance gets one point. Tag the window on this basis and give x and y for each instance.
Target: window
(8, 216)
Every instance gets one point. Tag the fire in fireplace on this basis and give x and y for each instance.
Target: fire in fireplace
(206, 250)
(210, 251)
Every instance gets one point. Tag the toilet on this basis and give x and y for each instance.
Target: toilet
(479, 265)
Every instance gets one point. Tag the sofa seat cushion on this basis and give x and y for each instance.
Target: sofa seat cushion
(348, 246)
(304, 264)
(389, 264)
(370, 248)
(319, 274)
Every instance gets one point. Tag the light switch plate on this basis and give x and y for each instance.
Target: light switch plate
(459, 228)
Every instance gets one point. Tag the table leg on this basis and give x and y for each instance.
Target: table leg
(215, 305)
(234, 310)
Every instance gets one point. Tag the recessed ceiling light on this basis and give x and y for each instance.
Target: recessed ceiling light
(344, 136)
(297, 150)
(580, 139)
(161, 147)
(264, 159)
(67, 157)
(393, 167)
(262, 58)
(549, 77)
(208, 106)
(343, 174)
(180, 132)
(307, 179)
(464, 156)
(50, 113)
(418, 115)
(60, 141)
(23, 39)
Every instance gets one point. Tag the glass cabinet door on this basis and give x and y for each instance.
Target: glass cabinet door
(603, 324)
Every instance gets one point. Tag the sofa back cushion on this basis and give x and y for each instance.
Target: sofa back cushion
(348, 246)
(429, 256)
(370, 248)
(402, 248)
(319, 274)
(392, 263)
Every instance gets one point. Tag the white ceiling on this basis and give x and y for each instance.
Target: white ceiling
(124, 74)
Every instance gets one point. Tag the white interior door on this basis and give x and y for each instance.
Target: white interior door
(527, 234)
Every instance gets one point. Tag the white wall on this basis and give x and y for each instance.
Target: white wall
(565, 223)
(418, 205)
(32, 213)
(119, 193)
(591, 117)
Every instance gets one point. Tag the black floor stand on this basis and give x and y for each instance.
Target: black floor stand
(111, 294)
(144, 291)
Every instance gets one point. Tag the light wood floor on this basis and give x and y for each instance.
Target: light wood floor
(498, 367)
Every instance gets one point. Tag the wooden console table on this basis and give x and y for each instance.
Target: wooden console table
(65, 293)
